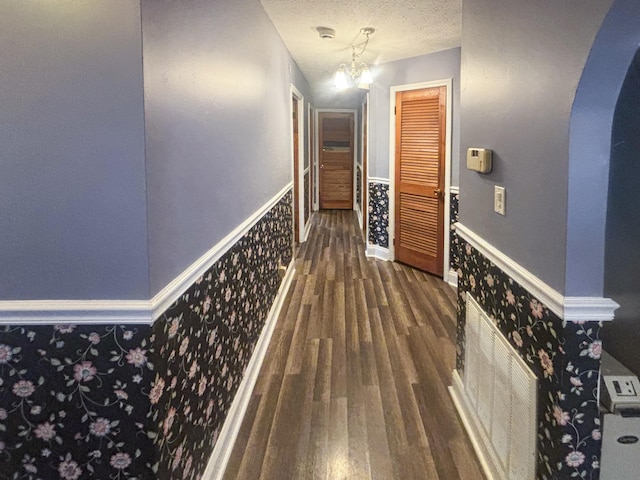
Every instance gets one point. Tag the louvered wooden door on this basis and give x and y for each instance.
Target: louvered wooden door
(419, 178)
(336, 160)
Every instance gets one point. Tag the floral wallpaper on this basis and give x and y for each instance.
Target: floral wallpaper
(379, 214)
(454, 241)
(74, 401)
(205, 340)
(359, 187)
(307, 205)
(140, 402)
(564, 356)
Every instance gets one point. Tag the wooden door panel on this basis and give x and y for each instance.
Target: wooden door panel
(336, 160)
(419, 179)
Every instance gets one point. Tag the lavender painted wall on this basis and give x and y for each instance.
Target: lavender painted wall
(521, 63)
(218, 134)
(72, 189)
(426, 68)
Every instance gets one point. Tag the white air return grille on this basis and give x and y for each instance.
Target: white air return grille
(497, 399)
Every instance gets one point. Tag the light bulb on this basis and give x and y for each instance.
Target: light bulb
(365, 76)
(341, 80)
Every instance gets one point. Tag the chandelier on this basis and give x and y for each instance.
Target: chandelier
(361, 71)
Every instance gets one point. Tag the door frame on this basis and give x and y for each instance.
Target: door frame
(447, 82)
(298, 177)
(356, 144)
(311, 144)
(364, 158)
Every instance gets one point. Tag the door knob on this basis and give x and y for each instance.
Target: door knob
(437, 192)
(321, 166)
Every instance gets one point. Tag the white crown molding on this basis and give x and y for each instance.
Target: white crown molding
(572, 309)
(48, 312)
(384, 181)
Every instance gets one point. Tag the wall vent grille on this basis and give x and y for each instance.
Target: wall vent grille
(500, 392)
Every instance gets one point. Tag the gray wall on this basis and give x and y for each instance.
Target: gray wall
(426, 68)
(217, 100)
(622, 267)
(521, 64)
(72, 188)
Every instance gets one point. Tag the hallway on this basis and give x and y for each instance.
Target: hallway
(354, 384)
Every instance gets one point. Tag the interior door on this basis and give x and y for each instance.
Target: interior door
(335, 131)
(419, 178)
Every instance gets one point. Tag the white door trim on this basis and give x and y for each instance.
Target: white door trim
(365, 171)
(295, 93)
(447, 82)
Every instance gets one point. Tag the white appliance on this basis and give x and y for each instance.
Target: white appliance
(620, 448)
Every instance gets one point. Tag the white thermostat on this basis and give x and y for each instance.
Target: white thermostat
(479, 159)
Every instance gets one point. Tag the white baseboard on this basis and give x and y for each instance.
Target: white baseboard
(452, 278)
(384, 181)
(456, 390)
(376, 251)
(227, 438)
(307, 228)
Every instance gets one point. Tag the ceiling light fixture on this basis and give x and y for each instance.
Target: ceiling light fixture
(354, 72)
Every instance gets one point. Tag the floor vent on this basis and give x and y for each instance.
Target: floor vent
(496, 399)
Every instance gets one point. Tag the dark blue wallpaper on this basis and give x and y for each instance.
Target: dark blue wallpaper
(205, 340)
(307, 193)
(74, 402)
(379, 214)
(454, 240)
(359, 187)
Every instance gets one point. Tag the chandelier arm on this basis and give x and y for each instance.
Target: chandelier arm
(363, 47)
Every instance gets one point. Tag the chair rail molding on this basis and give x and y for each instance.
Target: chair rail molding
(569, 309)
(92, 312)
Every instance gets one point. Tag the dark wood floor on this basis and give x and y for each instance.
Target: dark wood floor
(354, 385)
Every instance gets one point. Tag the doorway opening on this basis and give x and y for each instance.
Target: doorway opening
(336, 158)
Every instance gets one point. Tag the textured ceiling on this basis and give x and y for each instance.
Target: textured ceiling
(404, 29)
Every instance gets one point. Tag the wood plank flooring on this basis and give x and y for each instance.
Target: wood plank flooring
(354, 384)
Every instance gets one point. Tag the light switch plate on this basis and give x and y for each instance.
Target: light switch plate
(499, 200)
